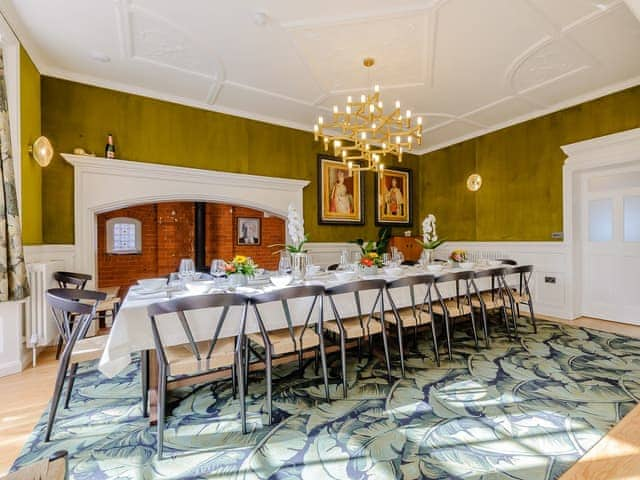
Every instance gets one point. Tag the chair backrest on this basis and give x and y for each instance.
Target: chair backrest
(283, 295)
(69, 279)
(491, 272)
(455, 276)
(333, 266)
(466, 276)
(409, 263)
(179, 307)
(72, 310)
(524, 272)
(357, 287)
(507, 261)
(412, 282)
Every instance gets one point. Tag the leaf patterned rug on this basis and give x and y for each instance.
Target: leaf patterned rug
(523, 409)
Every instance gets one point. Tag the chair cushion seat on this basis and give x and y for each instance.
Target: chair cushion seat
(87, 349)
(283, 343)
(520, 297)
(453, 308)
(353, 329)
(407, 317)
(183, 362)
(108, 305)
(490, 301)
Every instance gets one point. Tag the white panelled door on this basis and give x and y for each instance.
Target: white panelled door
(611, 245)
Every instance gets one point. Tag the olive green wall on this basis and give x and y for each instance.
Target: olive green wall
(521, 167)
(148, 130)
(31, 171)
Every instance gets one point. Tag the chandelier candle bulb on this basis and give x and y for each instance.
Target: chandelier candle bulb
(408, 114)
(397, 104)
(349, 99)
(380, 104)
(363, 98)
(376, 88)
(419, 120)
(320, 120)
(335, 109)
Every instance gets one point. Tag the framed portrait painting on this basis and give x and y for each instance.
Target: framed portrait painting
(340, 195)
(393, 195)
(248, 231)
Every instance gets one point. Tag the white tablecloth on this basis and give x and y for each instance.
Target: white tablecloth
(131, 330)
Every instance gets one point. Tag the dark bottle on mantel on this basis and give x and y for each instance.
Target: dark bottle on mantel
(110, 148)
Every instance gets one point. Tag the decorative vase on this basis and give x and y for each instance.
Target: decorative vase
(238, 280)
(372, 270)
(426, 257)
(299, 262)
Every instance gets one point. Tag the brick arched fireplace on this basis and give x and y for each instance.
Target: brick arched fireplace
(102, 185)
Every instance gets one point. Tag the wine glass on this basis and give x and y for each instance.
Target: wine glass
(218, 269)
(187, 269)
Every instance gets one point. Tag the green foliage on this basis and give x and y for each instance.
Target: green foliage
(430, 245)
(378, 246)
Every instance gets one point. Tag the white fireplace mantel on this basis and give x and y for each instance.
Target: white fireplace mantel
(102, 184)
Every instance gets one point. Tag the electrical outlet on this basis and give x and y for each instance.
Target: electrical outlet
(549, 279)
(557, 235)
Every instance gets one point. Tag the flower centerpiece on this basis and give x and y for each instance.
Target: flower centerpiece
(295, 230)
(458, 256)
(430, 240)
(239, 270)
(370, 262)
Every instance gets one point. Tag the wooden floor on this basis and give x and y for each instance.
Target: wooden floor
(24, 396)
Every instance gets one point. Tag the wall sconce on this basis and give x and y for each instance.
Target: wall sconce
(41, 151)
(474, 182)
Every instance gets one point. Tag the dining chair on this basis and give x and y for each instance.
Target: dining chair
(55, 467)
(457, 306)
(73, 310)
(295, 338)
(333, 266)
(360, 326)
(521, 293)
(507, 261)
(409, 263)
(79, 281)
(195, 358)
(494, 298)
(418, 314)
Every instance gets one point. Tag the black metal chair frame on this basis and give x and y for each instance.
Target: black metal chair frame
(178, 307)
(65, 303)
(524, 273)
(424, 307)
(467, 277)
(283, 296)
(356, 288)
(497, 290)
(69, 280)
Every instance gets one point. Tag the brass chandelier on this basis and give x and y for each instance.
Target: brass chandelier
(365, 133)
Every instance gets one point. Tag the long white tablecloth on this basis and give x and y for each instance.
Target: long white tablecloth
(131, 330)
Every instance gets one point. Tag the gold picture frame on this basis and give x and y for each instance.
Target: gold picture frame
(340, 196)
(393, 193)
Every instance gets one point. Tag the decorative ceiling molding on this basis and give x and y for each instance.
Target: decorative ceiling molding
(542, 71)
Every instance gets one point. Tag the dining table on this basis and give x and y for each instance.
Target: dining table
(131, 330)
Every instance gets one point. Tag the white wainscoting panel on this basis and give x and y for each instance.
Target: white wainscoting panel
(551, 262)
(327, 253)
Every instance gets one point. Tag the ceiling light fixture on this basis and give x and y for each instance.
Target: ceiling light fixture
(366, 134)
(41, 151)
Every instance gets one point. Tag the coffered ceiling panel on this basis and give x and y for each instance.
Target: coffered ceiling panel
(467, 66)
(334, 51)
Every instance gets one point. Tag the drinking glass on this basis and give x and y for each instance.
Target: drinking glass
(344, 258)
(187, 269)
(386, 259)
(174, 280)
(284, 265)
(218, 269)
(356, 256)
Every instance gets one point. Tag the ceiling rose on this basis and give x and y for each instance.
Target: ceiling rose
(364, 134)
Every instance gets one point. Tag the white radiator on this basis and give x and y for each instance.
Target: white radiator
(40, 328)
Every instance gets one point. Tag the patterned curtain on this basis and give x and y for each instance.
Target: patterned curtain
(13, 272)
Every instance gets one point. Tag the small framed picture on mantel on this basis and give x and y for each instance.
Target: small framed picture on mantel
(393, 193)
(248, 231)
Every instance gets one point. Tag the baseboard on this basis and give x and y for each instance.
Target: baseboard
(10, 368)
